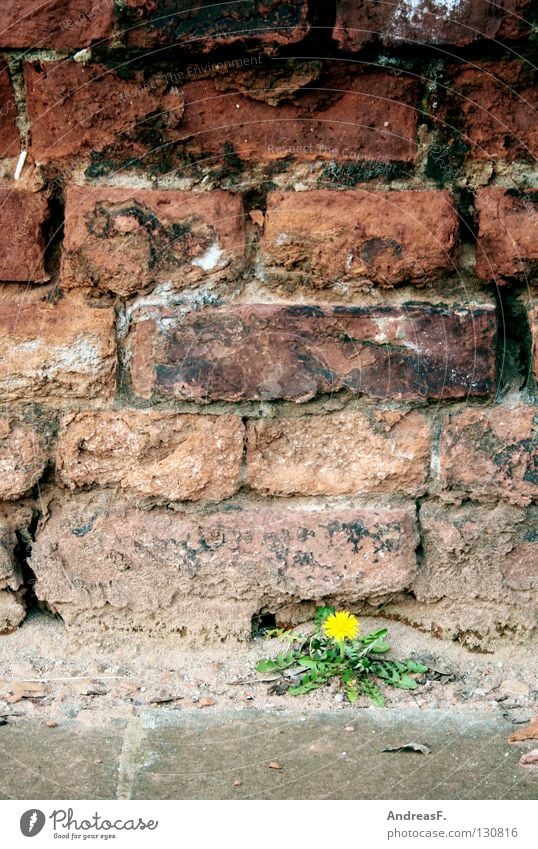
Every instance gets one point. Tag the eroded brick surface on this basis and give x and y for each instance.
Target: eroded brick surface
(119, 567)
(75, 109)
(206, 26)
(124, 239)
(56, 352)
(59, 24)
(22, 216)
(23, 457)
(295, 352)
(344, 453)
(507, 234)
(490, 452)
(158, 455)
(325, 121)
(359, 238)
(9, 134)
(421, 22)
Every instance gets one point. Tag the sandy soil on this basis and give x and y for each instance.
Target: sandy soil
(46, 673)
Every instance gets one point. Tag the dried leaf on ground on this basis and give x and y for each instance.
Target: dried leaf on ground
(409, 747)
(529, 732)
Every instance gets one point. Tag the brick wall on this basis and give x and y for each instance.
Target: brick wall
(267, 310)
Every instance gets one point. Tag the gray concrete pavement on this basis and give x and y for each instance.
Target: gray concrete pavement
(213, 754)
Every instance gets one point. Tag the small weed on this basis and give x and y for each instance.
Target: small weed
(336, 651)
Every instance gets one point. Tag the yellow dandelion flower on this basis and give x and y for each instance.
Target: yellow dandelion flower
(341, 625)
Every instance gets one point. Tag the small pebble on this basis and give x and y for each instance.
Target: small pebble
(274, 765)
(349, 728)
(237, 782)
(52, 724)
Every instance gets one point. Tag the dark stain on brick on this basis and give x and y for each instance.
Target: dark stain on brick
(373, 247)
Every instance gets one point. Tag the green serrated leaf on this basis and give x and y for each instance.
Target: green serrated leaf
(266, 666)
(405, 683)
(380, 648)
(413, 666)
(352, 694)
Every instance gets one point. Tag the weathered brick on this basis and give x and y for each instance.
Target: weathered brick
(59, 24)
(479, 574)
(124, 239)
(22, 215)
(344, 453)
(359, 238)
(12, 607)
(490, 452)
(10, 573)
(507, 243)
(161, 455)
(274, 352)
(75, 108)
(103, 563)
(23, 457)
(325, 124)
(9, 134)
(424, 22)
(12, 610)
(206, 25)
(60, 352)
(495, 101)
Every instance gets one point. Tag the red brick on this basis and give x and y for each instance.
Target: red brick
(205, 26)
(358, 238)
(99, 562)
(399, 22)
(344, 453)
(56, 352)
(275, 352)
(490, 452)
(22, 215)
(507, 234)
(479, 575)
(59, 24)
(76, 108)
(159, 455)
(124, 239)
(496, 104)
(9, 134)
(23, 457)
(370, 116)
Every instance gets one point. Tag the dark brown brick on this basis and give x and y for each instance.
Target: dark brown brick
(205, 25)
(295, 352)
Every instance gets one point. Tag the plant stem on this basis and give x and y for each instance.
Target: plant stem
(341, 646)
